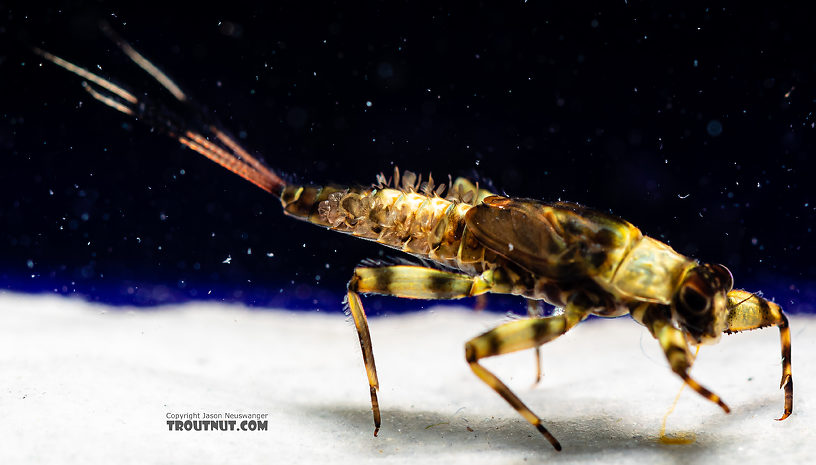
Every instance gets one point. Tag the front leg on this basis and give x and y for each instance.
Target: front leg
(748, 311)
(412, 282)
(657, 318)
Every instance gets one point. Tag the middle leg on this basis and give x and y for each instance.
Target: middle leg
(518, 335)
(534, 310)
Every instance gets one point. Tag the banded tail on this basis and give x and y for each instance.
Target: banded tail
(208, 139)
(413, 216)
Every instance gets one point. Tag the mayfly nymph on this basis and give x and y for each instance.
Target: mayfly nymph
(472, 241)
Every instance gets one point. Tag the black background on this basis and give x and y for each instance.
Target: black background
(616, 107)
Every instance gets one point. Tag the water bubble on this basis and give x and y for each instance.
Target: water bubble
(714, 128)
(385, 70)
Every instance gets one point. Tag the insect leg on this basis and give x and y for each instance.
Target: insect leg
(673, 342)
(413, 282)
(534, 310)
(361, 323)
(749, 311)
(514, 336)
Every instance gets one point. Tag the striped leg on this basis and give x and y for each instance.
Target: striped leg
(748, 311)
(412, 282)
(673, 342)
(514, 336)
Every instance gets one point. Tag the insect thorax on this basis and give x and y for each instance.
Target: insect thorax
(650, 272)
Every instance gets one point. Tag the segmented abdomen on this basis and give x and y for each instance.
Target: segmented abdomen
(419, 223)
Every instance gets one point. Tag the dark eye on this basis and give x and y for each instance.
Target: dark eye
(693, 300)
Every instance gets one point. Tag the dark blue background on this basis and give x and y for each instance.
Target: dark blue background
(694, 123)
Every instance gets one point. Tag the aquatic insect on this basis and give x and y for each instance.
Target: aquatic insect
(471, 242)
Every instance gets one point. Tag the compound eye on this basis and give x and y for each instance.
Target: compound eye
(693, 300)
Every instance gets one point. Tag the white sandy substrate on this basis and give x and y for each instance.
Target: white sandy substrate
(85, 384)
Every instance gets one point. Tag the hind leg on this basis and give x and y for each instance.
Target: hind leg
(413, 282)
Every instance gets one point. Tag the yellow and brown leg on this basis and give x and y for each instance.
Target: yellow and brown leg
(413, 282)
(514, 336)
(534, 310)
(657, 319)
(748, 311)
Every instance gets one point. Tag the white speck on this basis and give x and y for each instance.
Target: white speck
(227, 260)
(510, 246)
(369, 103)
(683, 196)
(270, 254)
(249, 251)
